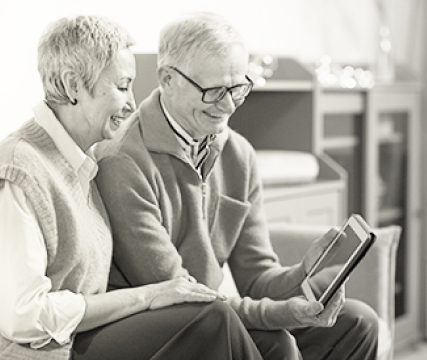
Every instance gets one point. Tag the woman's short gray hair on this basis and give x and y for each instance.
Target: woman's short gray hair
(193, 35)
(83, 44)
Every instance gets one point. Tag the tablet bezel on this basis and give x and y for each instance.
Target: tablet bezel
(366, 237)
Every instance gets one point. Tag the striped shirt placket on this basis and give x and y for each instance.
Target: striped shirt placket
(197, 151)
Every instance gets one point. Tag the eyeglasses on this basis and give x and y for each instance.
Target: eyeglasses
(214, 95)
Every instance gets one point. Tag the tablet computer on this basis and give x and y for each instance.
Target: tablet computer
(338, 260)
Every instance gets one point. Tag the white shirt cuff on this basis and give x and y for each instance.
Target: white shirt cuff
(61, 318)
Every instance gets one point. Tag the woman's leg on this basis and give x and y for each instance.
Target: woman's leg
(187, 331)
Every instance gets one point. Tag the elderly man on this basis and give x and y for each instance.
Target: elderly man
(184, 197)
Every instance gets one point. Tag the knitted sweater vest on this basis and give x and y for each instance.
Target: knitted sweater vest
(75, 228)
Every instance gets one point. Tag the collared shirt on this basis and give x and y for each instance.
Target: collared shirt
(84, 164)
(31, 313)
(197, 151)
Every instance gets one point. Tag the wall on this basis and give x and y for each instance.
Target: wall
(305, 29)
(424, 181)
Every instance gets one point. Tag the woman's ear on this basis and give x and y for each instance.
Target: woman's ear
(165, 76)
(71, 84)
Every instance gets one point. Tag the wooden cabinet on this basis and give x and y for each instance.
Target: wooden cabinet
(393, 191)
(375, 135)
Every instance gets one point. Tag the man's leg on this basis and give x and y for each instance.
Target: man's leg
(276, 345)
(353, 337)
(187, 331)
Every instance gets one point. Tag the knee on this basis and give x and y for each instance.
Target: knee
(219, 310)
(361, 318)
(218, 314)
(279, 344)
(284, 346)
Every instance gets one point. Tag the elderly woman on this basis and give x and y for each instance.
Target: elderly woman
(55, 240)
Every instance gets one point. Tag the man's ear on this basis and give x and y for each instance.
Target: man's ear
(165, 76)
(71, 84)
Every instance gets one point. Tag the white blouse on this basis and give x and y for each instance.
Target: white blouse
(29, 311)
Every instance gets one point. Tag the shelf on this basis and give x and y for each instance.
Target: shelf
(340, 143)
(294, 190)
(277, 85)
(390, 215)
(288, 75)
(341, 102)
(395, 138)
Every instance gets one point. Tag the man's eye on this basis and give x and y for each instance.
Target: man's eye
(216, 91)
(123, 88)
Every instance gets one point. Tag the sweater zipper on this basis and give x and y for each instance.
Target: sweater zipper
(204, 199)
(203, 185)
(203, 178)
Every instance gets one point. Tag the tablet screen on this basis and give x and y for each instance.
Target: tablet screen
(333, 261)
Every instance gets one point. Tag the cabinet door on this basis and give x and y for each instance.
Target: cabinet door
(341, 124)
(392, 194)
(343, 142)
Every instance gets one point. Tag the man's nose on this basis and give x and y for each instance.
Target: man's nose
(226, 104)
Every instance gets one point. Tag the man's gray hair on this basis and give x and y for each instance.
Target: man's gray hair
(194, 35)
(83, 44)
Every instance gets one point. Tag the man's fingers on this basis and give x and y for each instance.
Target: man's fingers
(314, 309)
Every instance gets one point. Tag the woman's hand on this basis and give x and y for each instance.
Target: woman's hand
(114, 305)
(178, 291)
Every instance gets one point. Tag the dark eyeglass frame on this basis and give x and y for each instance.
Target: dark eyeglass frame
(250, 85)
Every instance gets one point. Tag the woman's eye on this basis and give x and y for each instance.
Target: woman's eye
(123, 89)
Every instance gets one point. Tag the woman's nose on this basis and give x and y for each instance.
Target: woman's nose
(131, 101)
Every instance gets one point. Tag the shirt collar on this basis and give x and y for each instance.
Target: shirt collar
(83, 163)
(182, 135)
